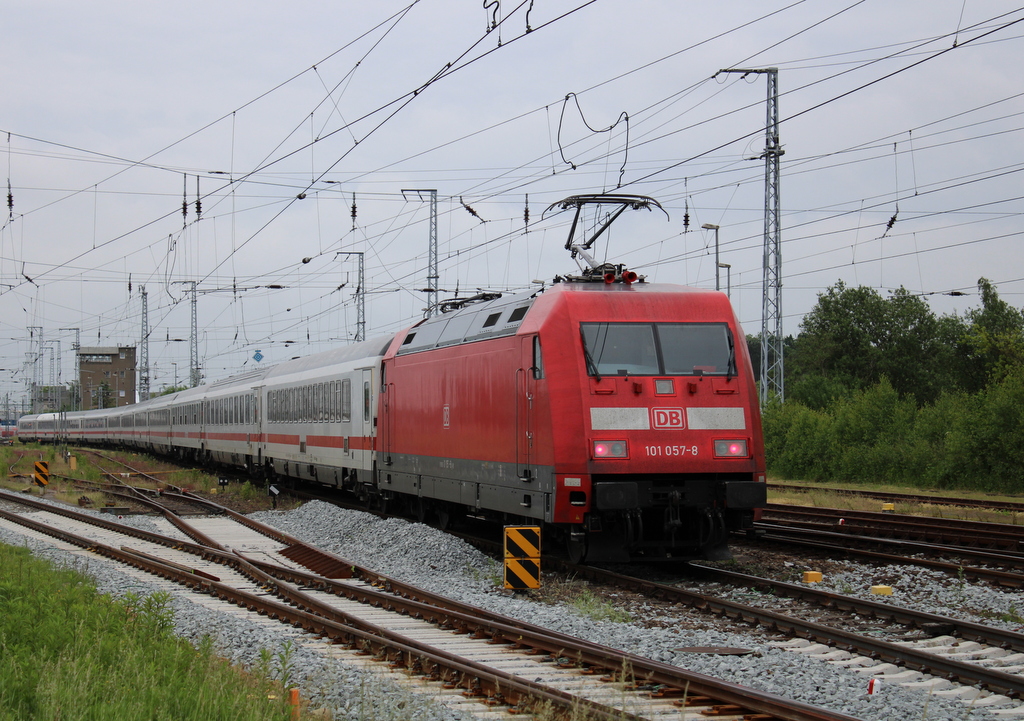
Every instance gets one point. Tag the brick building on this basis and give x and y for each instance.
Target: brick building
(107, 376)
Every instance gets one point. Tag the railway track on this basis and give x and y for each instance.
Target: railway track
(931, 500)
(902, 656)
(925, 662)
(838, 545)
(440, 642)
(1005, 538)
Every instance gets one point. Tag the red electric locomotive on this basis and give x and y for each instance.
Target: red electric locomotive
(622, 414)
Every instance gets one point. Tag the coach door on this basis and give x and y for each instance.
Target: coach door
(527, 374)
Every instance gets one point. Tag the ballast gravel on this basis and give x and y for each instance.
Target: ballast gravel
(446, 565)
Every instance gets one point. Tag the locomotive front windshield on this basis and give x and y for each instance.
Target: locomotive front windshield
(653, 349)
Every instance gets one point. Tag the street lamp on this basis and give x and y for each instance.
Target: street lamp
(712, 226)
(728, 278)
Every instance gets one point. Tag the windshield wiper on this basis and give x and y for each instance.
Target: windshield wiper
(591, 365)
(732, 356)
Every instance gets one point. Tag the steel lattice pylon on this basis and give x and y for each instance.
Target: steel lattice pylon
(432, 274)
(772, 376)
(144, 347)
(772, 367)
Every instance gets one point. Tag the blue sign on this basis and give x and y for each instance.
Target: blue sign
(257, 356)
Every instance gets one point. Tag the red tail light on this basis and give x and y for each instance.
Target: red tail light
(731, 449)
(610, 449)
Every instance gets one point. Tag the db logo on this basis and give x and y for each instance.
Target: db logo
(667, 417)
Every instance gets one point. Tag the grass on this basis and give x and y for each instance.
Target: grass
(67, 652)
(592, 606)
(252, 496)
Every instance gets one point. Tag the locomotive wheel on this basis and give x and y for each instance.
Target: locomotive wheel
(576, 548)
(442, 517)
(420, 510)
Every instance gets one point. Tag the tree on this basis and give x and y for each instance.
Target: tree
(853, 337)
(993, 344)
(172, 389)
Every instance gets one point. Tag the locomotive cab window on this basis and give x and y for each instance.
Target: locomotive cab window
(645, 349)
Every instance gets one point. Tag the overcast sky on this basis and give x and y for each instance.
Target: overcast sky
(905, 114)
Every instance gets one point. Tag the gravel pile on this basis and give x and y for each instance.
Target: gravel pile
(446, 565)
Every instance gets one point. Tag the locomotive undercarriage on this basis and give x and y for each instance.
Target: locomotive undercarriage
(665, 517)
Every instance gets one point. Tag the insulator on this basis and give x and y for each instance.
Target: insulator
(526, 212)
(686, 222)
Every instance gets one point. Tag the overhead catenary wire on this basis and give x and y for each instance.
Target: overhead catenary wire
(383, 240)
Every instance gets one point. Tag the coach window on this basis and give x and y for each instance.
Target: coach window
(346, 400)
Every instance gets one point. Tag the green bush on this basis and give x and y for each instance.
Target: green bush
(970, 441)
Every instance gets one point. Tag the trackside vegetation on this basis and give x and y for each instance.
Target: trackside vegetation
(881, 390)
(67, 652)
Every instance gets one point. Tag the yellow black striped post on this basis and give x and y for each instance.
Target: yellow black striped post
(42, 474)
(522, 557)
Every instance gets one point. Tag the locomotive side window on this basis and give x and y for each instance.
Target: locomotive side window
(623, 349)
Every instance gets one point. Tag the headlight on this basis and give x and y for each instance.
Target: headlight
(610, 449)
(731, 449)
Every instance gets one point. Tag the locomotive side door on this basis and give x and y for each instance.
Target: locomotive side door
(385, 424)
(527, 374)
(364, 412)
